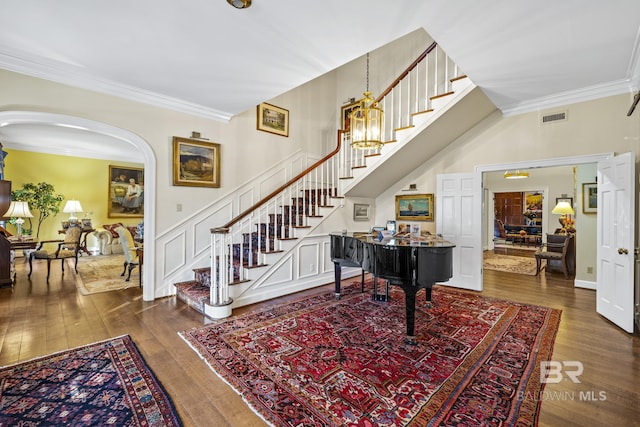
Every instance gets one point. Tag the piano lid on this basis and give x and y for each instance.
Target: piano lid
(401, 241)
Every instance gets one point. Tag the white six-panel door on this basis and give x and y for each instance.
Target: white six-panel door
(616, 240)
(459, 220)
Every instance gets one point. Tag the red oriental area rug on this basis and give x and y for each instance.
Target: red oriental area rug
(325, 362)
(105, 383)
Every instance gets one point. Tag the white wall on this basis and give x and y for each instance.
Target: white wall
(592, 127)
(314, 110)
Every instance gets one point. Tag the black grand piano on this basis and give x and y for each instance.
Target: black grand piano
(412, 264)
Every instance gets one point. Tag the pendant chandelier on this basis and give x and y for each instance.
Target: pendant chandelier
(366, 122)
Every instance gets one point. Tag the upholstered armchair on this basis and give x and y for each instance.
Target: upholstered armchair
(129, 250)
(63, 249)
(108, 239)
(558, 250)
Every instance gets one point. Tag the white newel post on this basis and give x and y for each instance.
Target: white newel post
(219, 305)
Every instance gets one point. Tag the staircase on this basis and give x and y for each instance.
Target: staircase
(247, 249)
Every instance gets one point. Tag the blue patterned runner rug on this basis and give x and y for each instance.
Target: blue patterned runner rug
(104, 383)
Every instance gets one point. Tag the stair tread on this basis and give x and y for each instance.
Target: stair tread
(441, 95)
(417, 113)
(255, 265)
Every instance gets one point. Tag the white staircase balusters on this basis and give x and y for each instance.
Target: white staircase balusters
(284, 215)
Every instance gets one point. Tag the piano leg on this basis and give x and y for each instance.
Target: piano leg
(410, 308)
(380, 297)
(337, 271)
(428, 296)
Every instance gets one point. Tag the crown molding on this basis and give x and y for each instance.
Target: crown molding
(570, 97)
(59, 72)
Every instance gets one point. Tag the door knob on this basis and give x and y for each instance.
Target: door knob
(623, 251)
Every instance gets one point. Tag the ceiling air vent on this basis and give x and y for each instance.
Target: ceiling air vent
(554, 117)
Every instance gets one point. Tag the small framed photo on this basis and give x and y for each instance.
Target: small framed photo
(273, 119)
(361, 212)
(417, 207)
(565, 199)
(345, 116)
(196, 163)
(590, 197)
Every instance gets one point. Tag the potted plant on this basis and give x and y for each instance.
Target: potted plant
(40, 197)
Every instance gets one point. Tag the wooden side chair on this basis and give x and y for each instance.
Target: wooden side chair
(554, 251)
(129, 249)
(65, 249)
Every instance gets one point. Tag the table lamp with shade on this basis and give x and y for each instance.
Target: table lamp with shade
(72, 207)
(18, 210)
(565, 210)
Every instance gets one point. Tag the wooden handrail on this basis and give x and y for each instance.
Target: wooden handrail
(332, 153)
(407, 71)
(285, 185)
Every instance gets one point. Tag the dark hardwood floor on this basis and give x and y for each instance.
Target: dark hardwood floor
(38, 319)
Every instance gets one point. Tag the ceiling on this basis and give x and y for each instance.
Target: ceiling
(206, 58)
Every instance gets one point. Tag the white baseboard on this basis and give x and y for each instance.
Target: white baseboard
(584, 284)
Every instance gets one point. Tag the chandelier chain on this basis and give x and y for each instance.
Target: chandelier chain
(367, 71)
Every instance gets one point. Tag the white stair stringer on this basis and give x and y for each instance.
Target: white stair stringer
(279, 276)
(451, 116)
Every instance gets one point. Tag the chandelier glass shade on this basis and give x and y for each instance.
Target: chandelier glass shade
(366, 124)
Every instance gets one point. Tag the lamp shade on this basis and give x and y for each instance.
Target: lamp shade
(72, 206)
(18, 210)
(563, 208)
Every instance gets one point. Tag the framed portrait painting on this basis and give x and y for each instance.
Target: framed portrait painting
(590, 197)
(273, 119)
(196, 163)
(126, 192)
(417, 207)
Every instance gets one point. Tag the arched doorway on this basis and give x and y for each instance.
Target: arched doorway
(103, 134)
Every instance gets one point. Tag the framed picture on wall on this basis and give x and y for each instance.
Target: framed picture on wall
(345, 116)
(196, 163)
(418, 207)
(273, 119)
(565, 199)
(590, 197)
(125, 192)
(361, 212)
